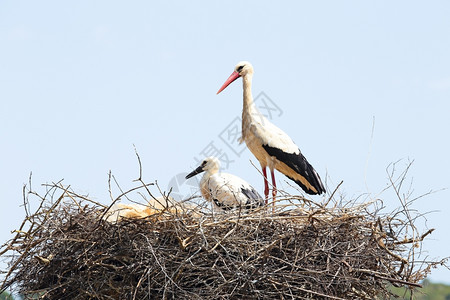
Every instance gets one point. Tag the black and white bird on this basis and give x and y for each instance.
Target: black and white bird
(225, 191)
(271, 146)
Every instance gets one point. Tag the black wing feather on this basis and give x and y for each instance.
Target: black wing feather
(254, 198)
(221, 205)
(299, 164)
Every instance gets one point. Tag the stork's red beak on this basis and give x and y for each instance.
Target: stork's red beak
(235, 75)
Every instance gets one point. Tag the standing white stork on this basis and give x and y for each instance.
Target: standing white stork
(225, 191)
(270, 145)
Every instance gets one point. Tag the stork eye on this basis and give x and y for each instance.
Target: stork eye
(204, 163)
(240, 68)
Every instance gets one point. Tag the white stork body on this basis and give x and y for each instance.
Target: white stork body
(225, 191)
(154, 206)
(271, 146)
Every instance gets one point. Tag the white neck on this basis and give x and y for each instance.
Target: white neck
(248, 107)
(211, 171)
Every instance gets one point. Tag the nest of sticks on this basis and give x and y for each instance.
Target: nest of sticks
(301, 250)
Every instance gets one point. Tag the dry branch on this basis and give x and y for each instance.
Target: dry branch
(302, 250)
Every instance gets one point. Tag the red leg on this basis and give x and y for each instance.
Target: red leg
(266, 184)
(274, 188)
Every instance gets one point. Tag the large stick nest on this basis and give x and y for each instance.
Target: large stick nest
(302, 250)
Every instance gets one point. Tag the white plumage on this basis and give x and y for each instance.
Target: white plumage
(225, 191)
(272, 146)
(121, 211)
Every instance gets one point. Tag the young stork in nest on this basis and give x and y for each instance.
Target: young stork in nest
(271, 146)
(225, 191)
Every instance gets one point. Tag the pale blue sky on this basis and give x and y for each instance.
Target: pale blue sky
(82, 81)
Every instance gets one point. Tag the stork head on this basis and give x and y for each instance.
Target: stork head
(242, 69)
(210, 164)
